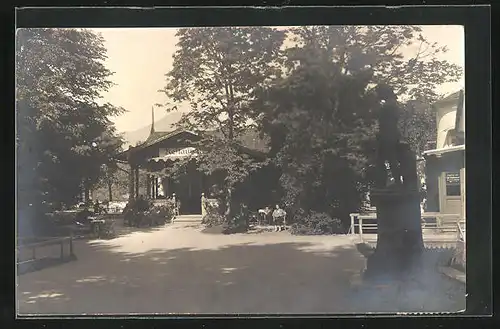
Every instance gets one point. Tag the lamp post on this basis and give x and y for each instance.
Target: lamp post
(86, 180)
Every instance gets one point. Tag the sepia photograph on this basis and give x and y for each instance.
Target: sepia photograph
(316, 169)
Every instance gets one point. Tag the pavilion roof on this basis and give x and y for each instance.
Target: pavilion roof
(158, 136)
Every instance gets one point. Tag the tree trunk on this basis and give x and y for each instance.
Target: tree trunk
(110, 191)
(87, 192)
(227, 214)
(131, 183)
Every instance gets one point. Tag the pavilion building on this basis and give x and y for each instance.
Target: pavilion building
(160, 152)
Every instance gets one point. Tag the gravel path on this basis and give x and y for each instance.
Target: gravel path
(178, 269)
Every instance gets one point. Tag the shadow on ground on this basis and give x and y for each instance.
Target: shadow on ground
(43, 263)
(245, 278)
(429, 291)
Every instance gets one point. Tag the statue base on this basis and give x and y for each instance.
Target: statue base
(399, 238)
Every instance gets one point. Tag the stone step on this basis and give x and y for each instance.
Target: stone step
(188, 219)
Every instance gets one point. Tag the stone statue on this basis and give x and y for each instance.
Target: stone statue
(388, 137)
(408, 167)
(399, 229)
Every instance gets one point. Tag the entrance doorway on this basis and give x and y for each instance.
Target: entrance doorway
(451, 198)
(188, 191)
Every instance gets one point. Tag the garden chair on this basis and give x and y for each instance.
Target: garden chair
(264, 215)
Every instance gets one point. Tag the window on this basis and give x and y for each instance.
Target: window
(452, 180)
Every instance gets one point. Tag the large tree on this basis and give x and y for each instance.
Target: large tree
(397, 55)
(217, 71)
(64, 131)
(320, 117)
(321, 125)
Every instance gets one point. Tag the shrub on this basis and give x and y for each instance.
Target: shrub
(316, 224)
(160, 214)
(214, 219)
(240, 222)
(135, 211)
(213, 215)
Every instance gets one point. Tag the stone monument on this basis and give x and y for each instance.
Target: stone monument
(399, 238)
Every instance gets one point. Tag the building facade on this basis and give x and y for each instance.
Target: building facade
(445, 165)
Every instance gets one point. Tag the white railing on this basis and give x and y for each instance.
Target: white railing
(461, 231)
(357, 222)
(460, 253)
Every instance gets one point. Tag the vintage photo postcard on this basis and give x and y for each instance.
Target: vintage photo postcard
(305, 169)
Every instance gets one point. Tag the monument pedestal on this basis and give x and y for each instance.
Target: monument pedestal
(399, 238)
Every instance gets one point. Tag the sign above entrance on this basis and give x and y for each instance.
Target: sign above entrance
(171, 154)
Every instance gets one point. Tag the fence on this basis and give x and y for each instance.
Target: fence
(439, 221)
(461, 243)
(27, 254)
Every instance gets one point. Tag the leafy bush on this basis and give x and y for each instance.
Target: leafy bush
(316, 224)
(215, 220)
(142, 212)
(213, 215)
(160, 214)
(240, 222)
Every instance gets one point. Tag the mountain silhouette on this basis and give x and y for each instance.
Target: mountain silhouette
(249, 138)
(164, 124)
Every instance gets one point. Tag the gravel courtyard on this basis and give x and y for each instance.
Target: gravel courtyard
(178, 269)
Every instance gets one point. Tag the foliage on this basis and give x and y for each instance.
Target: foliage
(321, 116)
(134, 211)
(380, 50)
(216, 223)
(64, 133)
(418, 124)
(141, 212)
(213, 215)
(317, 224)
(321, 126)
(217, 70)
(160, 214)
(240, 222)
(117, 177)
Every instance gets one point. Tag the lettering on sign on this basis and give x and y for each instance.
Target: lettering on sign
(176, 152)
(453, 178)
(180, 152)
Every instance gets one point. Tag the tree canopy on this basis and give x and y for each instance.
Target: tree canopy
(218, 70)
(64, 131)
(312, 97)
(320, 115)
(414, 74)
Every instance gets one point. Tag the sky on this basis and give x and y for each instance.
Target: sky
(140, 58)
